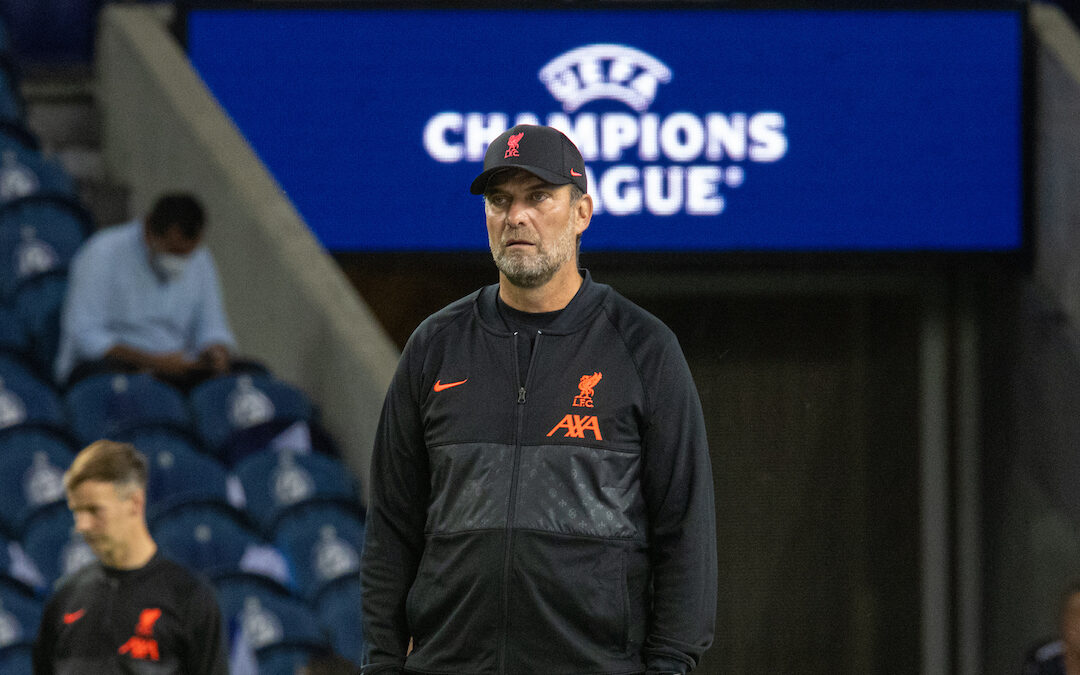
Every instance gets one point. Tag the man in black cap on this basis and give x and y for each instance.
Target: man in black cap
(541, 497)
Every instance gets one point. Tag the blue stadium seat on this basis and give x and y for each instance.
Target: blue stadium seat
(27, 401)
(179, 474)
(213, 540)
(268, 618)
(111, 405)
(55, 547)
(14, 340)
(237, 415)
(340, 613)
(33, 467)
(12, 107)
(13, 132)
(322, 542)
(20, 615)
(37, 237)
(275, 481)
(18, 571)
(25, 172)
(38, 301)
(17, 660)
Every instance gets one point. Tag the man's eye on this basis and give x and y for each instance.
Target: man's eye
(539, 196)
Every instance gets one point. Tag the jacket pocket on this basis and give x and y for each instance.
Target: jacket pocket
(569, 601)
(455, 593)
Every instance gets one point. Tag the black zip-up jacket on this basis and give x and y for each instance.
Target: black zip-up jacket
(560, 524)
(159, 619)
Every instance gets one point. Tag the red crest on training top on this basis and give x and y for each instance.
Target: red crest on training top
(512, 145)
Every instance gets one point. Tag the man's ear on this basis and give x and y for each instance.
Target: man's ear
(138, 500)
(583, 210)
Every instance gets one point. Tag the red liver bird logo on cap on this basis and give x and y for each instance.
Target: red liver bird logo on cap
(512, 145)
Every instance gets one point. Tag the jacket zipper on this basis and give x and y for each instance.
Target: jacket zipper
(508, 548)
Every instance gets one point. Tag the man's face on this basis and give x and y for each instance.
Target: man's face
(105, 516)
(172, 242)
(533, 228)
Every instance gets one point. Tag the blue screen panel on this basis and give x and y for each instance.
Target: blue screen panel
(702, 130)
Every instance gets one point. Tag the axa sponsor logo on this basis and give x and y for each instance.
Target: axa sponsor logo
(142, 645)
(575, 426)
(682, 162)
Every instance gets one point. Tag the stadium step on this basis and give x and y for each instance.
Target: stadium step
(62, 113)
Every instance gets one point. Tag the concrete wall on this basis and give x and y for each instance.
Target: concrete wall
(1057, 168)
(289, 304)
(1033, 514)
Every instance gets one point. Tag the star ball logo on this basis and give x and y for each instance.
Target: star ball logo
(679, 163)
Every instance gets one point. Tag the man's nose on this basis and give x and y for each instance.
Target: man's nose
(516, 213)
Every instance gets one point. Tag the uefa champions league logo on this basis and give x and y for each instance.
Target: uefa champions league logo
(637, 161)
(604, 71)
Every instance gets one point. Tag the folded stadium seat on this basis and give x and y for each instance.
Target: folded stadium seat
(25, 172)
(17, 660)
(33, 466)
(110, 405)
(20, 615)
(322, 543)
(238, 415)
(180, 474)
(38, 301)
(11, 106)
(28, 402)
(53, 544)
(17, 570)
(275, 481)
(339, 611)
(280, 629)
(214, 540)
(14, 340)
(14, 134)
(37, 237)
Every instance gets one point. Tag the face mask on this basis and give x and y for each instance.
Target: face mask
(169, 266)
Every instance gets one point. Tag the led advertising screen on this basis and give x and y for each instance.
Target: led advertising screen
(702, 129)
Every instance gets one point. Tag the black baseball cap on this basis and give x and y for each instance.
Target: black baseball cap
(543, 151)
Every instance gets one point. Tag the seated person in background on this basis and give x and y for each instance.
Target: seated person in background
(144, 296)
(1061, 656)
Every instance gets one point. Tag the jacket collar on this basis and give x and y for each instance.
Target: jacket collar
(573, 317)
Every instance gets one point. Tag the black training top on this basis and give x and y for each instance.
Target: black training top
(158, 619)
(549, 514)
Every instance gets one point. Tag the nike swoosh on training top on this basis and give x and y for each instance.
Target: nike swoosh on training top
(439, 386)
(72, 617)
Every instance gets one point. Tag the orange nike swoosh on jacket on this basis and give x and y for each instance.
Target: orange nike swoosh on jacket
(439, 386)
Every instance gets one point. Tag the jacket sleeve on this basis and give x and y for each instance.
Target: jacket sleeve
(207, 650)
(211, 324)
(397, 512)
(44, 644)
(678, 487)
(84, 317)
